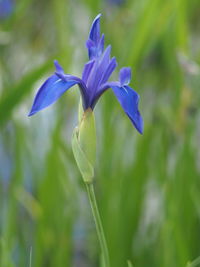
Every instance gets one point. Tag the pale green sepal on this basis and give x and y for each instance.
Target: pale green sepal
(85, 167)
(80, 111)
(87, 135)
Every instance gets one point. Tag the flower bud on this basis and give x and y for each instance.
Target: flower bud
(84, 145)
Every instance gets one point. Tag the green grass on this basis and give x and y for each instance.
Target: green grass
(148, 187)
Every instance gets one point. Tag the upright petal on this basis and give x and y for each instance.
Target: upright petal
(95, 30)
(98, 71)
(49, 92)
(109, 70)
(87, 69)
(101, 45)
(101, 90)
(125, 76)
(95, 43)
(97, 85)
(58, 67)
(129, 99)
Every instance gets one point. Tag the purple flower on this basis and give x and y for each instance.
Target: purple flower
(117, 2)
(94, 81)
(6, 8)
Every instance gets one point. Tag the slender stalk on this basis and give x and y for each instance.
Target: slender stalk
(30, 259)
(99, 227)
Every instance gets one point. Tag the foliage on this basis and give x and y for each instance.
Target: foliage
(148, 186)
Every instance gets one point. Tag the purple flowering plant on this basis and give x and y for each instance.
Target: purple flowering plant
(94, 81)
(6, 8)
(93, 84)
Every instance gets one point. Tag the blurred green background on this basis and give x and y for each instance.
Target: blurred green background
(148, 187)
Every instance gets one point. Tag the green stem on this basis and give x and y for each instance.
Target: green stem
(99, 227)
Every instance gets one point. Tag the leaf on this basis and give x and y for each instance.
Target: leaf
(16, 94)
(195, 263)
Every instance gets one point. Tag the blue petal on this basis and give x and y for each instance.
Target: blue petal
(49, 92)
(99, 76)
(101, 45)
(98, 71)
(95, 43)
(95, 30)
(58, 67)
(87, 69)
(125, 76)
(6, 8)
(68, 78)
(101, 90)
(129, 99)
(91, 48)
(109, 70)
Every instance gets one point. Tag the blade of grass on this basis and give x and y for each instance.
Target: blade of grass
(18, 92)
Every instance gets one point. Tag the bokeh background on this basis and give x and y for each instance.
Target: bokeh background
(148, 187)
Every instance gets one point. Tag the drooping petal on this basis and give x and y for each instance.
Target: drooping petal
(125, 76)
(68, 78)
(129, 99)
(49, 92)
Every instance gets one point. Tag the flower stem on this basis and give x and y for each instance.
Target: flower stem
(99, 227)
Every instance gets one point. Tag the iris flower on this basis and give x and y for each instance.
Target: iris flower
(94, 81)
(6, 8)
